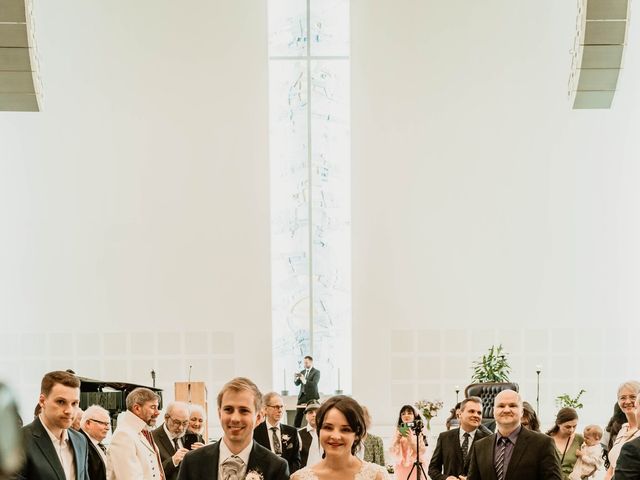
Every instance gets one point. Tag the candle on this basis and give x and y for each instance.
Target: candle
(338, 379)
(284, 379)
(457, 388)
(538, 368)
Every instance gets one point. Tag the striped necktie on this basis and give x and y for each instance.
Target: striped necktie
(500, 467)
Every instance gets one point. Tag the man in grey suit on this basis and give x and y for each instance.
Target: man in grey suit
(54, 451)
(237, 454)
(513, 452)
(450, 459)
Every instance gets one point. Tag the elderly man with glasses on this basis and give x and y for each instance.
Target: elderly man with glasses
(169, 438)
(95, 425)
(281, 439)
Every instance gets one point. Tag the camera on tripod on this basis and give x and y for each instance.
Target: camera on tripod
(416, 426)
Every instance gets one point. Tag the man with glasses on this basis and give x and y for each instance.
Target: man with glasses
(169, 438)
(281, 439)
(95, 424)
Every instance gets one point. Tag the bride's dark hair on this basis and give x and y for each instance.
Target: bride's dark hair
(352, 412)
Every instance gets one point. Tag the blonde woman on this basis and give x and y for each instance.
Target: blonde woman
(627, 398)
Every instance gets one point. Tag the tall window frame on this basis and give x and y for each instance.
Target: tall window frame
(309, 137)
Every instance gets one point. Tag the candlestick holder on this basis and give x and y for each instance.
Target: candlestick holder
(538, 371)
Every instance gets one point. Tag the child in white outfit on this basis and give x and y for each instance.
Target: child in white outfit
(590, 454)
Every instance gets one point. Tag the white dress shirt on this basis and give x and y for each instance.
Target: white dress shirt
(100, 451)
(472, 434)
(64, 450)
(315, 452)
(270, 434)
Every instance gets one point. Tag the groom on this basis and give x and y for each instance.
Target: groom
(236, 455)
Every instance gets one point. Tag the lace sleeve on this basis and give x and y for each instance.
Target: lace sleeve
(304, 474)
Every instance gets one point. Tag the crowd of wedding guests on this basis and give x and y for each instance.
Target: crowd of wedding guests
(65, 443)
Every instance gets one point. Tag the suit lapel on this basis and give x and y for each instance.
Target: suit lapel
(77, 454)
(41, 438)
(488, 455)
(254, 460)
(262, 435)
(454, 438)
(166, 443)
(145, 442)
(212, 469)
(518, 451)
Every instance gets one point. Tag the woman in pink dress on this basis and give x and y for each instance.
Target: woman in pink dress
(404, 444)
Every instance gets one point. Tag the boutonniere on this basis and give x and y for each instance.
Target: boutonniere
(285, 438)
(253, 475)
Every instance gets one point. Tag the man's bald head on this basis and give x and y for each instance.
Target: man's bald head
(507, 410)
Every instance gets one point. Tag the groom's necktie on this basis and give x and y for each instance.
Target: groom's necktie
(232, 468)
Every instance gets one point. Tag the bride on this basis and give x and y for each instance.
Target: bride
(341, 427)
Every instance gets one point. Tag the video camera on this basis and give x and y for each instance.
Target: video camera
(416, 426)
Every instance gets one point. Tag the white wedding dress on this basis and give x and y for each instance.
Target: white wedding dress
(368, 471)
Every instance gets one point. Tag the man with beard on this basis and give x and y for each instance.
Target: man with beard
(53, 449)
(169, 437)
(513, 452)
(132, 453)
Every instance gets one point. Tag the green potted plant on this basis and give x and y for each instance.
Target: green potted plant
(490, 376)
(565, 400)
(492, 367)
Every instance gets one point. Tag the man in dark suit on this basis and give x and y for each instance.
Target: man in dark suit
(236, 455)
(628, 466)
(450, 460)
(513, 452)
(95, 424)
(308, 380)
(54, 451)
(281, 439)
(168, 438)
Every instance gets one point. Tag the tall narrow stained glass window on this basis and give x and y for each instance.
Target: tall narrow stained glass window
(309, 97)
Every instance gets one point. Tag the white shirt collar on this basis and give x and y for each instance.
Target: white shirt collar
(269, 426)
(472, 434)
(310, 429)
(226, 453)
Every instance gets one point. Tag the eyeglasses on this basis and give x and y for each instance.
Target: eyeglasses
(178, 423)
(104, 424)
(277, 407)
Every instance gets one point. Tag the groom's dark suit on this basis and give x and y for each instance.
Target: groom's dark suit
(42, 462)
(534, 457)
(203, 463)
(447, 457)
